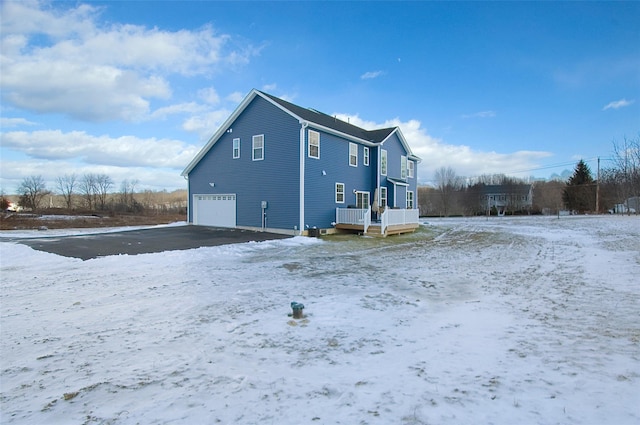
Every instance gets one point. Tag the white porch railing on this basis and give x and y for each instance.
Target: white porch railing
(357, 216)
(392, 217)
(389, 217)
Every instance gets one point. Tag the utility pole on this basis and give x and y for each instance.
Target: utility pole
(598, 189)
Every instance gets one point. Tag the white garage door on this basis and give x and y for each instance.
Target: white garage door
(214, 210)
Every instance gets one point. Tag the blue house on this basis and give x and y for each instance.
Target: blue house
(279, 167)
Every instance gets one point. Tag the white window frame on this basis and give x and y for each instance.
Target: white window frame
(410, 202)
(353, 156)
(411, 168)
(236, 148)
(365, 156)
(383, 162)
(403, 167)
(313, 142)
(363, 195)
(340, 192)
(383, 196)
(254, 149)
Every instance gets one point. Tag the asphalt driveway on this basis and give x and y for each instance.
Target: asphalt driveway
(145, 241)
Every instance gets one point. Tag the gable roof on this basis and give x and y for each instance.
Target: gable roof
(507, 189)
(333, 123)
(310, 116)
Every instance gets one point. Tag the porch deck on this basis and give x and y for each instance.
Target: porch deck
(392, 221)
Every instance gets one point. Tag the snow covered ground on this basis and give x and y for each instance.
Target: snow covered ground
(469, 321)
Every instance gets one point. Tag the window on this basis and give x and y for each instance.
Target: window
(409, 200)
(236, 148)
(365, 158)
(258, 147)
(403, 167)
(383, 162)
(383, 197)
(411, 166)
(313, 147)
(339, 193)
(353, 154)
(362, 200)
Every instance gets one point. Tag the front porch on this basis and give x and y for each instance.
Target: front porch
(390, 222)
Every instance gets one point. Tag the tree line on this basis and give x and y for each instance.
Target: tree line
(95, 192)
(614, 185)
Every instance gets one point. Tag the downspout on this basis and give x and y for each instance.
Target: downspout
(303, 126)
(189, 199)
(378, 175)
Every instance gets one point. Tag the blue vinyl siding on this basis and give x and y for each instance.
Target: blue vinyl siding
(395, 150)
(320, 202)
(276, 179)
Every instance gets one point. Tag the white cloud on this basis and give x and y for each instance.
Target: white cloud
(482, 114)
(206, 124)
(209, 95)
(269, 87)
(371, 75)
(235, 97)
(617, 104)
(465, 161)
(13, 172)
(180, 108)
(15, 122)
(121, 151)
(60, 59)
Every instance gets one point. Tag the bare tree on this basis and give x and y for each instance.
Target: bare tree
(88, 189)
(547, 196)
(127, 190)
(103, 185)
(447, 183)
(66, 185)
(626, 156)
(32, 190)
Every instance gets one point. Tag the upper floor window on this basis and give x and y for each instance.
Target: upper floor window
(258, 147)
(409, 200)
(365, 156)
(411, 166)
(353, 154)
(383, 162)
(403, 167)
(236, 148)
(339, 193)
(313, 147)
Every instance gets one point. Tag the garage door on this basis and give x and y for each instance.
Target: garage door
(214, 210)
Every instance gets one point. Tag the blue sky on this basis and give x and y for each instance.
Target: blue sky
(134, 89)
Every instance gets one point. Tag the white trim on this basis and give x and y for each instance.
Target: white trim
(383, 153)
(344, 195)
(365, 156)
(411, 168)
(351, 155)
(226, 126)
(303, 126)
(363, 192)
(309, 132)
(233, 148)
(221, 131)
(404, 143)
(412, 200)
(386, 201)
(403, 167)
(253, 148)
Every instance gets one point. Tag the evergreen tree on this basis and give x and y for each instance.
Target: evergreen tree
(580, 193)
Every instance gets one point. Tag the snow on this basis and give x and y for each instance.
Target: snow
(507, 320)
